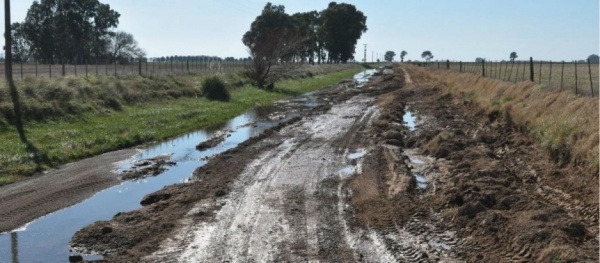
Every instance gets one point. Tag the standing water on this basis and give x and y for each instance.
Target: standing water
(46, 239)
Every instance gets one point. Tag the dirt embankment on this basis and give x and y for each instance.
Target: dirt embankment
(490, 183)
(353, 183)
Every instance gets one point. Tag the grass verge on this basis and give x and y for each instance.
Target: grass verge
(565, 124)
(93, 132)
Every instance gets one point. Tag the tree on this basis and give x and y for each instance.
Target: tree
(513, 56)
(272, 39)
(427, 55)
(21, 47)
(307, 24)
(593, 58)
(341, 27)
(389, 56)
(402, 55)
(123, 47)
(478, 59)
(69, 30)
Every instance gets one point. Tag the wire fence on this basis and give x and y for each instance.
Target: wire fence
(580, 77)
(140, 67)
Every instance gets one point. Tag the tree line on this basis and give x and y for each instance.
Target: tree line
(276, 37)
(71, 31)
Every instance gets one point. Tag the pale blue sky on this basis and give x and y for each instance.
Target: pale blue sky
(456, 30)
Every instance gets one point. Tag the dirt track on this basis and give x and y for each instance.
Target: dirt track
(27, 200)
(351, 183)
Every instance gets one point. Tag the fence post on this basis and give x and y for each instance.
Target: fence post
(75, 68)
(21, 69)
(483, 67)
(590, 72)
(50, 69)
(140, 66)
(447, 64)
(550, 80)
(459, 65)
(86, 68)
(36, 70)
(63, 68)
(531, 69)
(540, 75)
(562, 71)
(187, 65)
(511, 69)
(576, 77)
(524, 69)
(517, 73)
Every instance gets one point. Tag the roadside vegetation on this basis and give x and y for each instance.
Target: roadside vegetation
(76, 117)
(566, 125)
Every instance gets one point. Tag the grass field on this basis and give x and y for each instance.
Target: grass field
(553, 75)
(70, 137)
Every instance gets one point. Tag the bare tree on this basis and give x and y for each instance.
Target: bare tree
(122, 47)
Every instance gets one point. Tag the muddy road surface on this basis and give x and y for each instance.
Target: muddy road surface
(393, 170)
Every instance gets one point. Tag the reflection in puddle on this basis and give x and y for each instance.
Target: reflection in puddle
(349, 170)
(439, 245)
(358, 154)
(46, 239)
(409, 119)
(363, 77)
(421, 181)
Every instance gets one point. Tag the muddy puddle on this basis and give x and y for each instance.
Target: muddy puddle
(46, 239)
(363, 77)
(409, 120)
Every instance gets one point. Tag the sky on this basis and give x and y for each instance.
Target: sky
(455, 30)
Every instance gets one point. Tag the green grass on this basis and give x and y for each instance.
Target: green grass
(91, 133)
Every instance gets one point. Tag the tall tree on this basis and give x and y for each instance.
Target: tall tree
(402, 55)
(272, 39)
(341, 27)
(389, 56)
(69, 30)
(123, 48)
(21, 47)
(307, 24)
(427, 55)
(593, 58)
(513, 56)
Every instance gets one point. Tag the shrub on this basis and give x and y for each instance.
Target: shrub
(213, 88)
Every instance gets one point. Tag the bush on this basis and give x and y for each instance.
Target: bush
(213, 88)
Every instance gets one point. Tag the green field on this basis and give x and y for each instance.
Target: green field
(69, 137)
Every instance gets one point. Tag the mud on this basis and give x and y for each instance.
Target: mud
(147, 167)
(358, 182)
(27, 200)
(212, 142)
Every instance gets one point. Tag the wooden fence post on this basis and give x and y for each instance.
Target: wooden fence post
(531, 69)
(590, 72)
(576, 77)
(447, 64)
(562, 71)
(459, 65)
(63, 68)
(50, 69)
(511, 69)
(540, 76)
(36, 70)
(550, 80)
(483, 67)
(517, 73)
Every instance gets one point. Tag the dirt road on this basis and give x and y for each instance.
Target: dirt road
(353, 182)
(27, 200)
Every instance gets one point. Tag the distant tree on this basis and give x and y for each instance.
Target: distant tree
(21, 47)
(341, 27)
(229, 59)
(272, 39)
(69, 29)
(402, 55)
(478, 59)
(593, 58)
(307, 24)
(513, 56)
(123, 47)
(427, 55)
(389, 56)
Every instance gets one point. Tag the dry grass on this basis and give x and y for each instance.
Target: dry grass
(552, 75)
(565, 124)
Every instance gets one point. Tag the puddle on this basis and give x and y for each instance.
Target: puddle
(410, 120)
(421, 181)
(46, 239)
(363, 77)
(348, 170)
(439, 245)
(357, 155)
(419, 166)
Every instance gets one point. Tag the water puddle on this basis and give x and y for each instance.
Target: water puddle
(409, 120)
(46, 239)
(357, 155)
(363, 77)
(439, 245)
(419, 166)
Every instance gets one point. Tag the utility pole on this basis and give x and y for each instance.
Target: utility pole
(365, 59)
